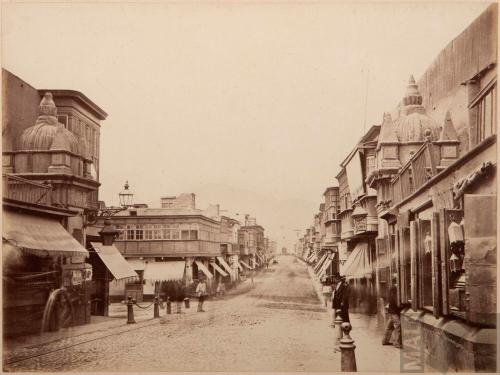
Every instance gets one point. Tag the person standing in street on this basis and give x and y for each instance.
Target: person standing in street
(393, 327)
(221, 289)
(201, 292)
(326, 290)
(340, 298)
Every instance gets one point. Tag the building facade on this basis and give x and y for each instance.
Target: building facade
(50, 177)
(418, 197)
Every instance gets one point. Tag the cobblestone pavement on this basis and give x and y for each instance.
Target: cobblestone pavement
(279, 324)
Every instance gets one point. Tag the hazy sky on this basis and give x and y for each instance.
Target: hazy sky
(264, 97)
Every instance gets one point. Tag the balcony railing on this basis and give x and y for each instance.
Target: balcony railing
(414, 174)
(26, 191)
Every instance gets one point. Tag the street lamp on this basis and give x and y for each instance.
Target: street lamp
(126, 196)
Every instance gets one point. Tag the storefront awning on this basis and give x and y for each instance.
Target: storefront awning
(358, 263)
(39, 235)
(246, 265)
(224, 264)
(320, 263)
(114, 261)
(310, 257)
(218, 269)
(164, 271)
(325, 266)
(204, 269)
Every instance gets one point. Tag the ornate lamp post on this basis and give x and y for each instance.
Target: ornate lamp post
(126, 196)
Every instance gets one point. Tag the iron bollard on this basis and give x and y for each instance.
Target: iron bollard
(347, 355)
(186, 302)
(169, 306)
(338, 325)
(130, 311)
(156, 310)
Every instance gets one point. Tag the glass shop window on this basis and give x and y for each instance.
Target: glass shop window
(425, 263)
(166, 234)
(130, 232)
(455, 254)
(175, 234)
(63, 119)
(148, 232)
(193, 234)
(184, 234)
(139, 232)
(157, 232)
(486, 122)
(121, 232)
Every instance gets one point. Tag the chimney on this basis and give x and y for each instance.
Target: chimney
(108, 233)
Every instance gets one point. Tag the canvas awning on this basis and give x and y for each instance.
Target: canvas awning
(39, 235)
(318, 265)
(224, 264)
(261, 258)
(218, 269)
(246, 265)
(114, 261)
(358, 263)
(325, 266)
(164, 271)
(204, 269)
(313, 258)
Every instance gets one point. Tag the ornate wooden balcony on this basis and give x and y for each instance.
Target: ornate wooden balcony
(26, 191)
(414, 174)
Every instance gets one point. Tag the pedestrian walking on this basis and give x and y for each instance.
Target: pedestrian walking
(393, 327)
(221, 289)
(327, 290)
(251, 275)
(340, 298)
(201, 292)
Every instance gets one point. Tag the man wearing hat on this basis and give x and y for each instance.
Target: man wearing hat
(393, 327)
(340, 298)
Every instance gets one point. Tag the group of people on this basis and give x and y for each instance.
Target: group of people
(336, 294)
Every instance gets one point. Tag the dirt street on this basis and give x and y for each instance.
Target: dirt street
(278, 325)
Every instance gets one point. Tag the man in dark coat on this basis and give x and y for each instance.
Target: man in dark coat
(394, 321)
(340, 298)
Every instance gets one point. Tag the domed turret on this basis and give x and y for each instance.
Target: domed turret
(413, 123)
(48, 133)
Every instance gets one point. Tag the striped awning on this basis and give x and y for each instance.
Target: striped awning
(218, 269)
(164, 271)
(224, 264)
(318, 265)
(358, 263)
(39, 236)
(246, 265)
(114, 261)
(325, 266)
(204, 269)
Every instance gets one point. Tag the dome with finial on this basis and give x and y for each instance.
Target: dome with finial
(48, 133)
(413, 122)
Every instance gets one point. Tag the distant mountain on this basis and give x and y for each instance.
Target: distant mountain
(279, 217)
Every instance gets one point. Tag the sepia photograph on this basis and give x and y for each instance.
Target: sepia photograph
(249, 187)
